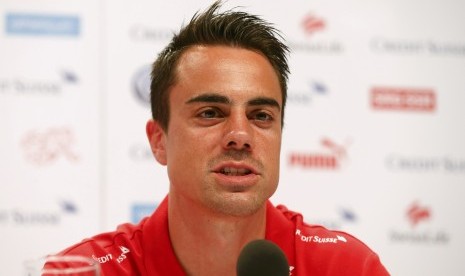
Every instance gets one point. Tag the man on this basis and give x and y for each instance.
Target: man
(218, 94)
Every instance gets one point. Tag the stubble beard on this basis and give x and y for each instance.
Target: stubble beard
(236, 204)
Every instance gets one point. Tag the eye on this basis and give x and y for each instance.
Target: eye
(210, 113)
(262, 116)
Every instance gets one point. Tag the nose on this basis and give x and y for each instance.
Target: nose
(238, 133)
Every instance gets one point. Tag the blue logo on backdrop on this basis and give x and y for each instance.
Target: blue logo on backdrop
(141, 210)
(68, 207)
(141, 84)
(69, 76)
(344, 217)
(42, 24)
(306, 96)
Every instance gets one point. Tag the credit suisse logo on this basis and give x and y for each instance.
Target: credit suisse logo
(33, 24)
(403, 99)
(305, 96)
(142, 33)
(419, 227)
(424, 47)
(330, 156)
(344, 216)
(44, 147)
(39, 217)
(396, 162)
(51, 86)
(310, 25)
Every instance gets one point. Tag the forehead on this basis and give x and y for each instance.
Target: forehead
(232, 71)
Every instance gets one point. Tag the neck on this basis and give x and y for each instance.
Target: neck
(209, 243)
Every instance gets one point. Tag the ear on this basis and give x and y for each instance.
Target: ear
(157, 140)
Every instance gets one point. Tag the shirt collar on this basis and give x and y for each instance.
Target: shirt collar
(159, 254)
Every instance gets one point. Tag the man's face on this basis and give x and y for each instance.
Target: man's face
(223, 140)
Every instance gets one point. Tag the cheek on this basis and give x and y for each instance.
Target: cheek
(272, 143)
(188, 145)
(273, 151)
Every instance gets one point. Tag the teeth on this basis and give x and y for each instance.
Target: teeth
(234, 171)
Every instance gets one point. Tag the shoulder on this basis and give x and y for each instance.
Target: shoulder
(331, 251)
(114, 250)
(125, 234)
(309, 234)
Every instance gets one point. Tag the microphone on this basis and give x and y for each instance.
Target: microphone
(262, 257)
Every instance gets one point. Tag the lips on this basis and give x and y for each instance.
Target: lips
(235, 171)
(236, 176)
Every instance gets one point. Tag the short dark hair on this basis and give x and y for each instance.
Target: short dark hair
(231, 28)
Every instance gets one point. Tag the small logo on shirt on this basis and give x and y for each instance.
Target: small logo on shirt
(109, 257)
(318, 239)
(103, 259)
(122, 257)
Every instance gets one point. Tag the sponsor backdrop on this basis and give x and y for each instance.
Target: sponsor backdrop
(373, 139)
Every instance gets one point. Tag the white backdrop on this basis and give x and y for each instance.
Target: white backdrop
(373, 139)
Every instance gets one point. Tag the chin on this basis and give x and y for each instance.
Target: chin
(238, 204)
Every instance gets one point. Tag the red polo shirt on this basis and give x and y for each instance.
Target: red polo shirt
(145, 248)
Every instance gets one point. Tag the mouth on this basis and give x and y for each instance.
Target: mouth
(236, 176)
(230, 171)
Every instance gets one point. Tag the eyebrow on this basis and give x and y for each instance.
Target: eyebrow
(215, 98)
(209, 98)
(265, 101)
